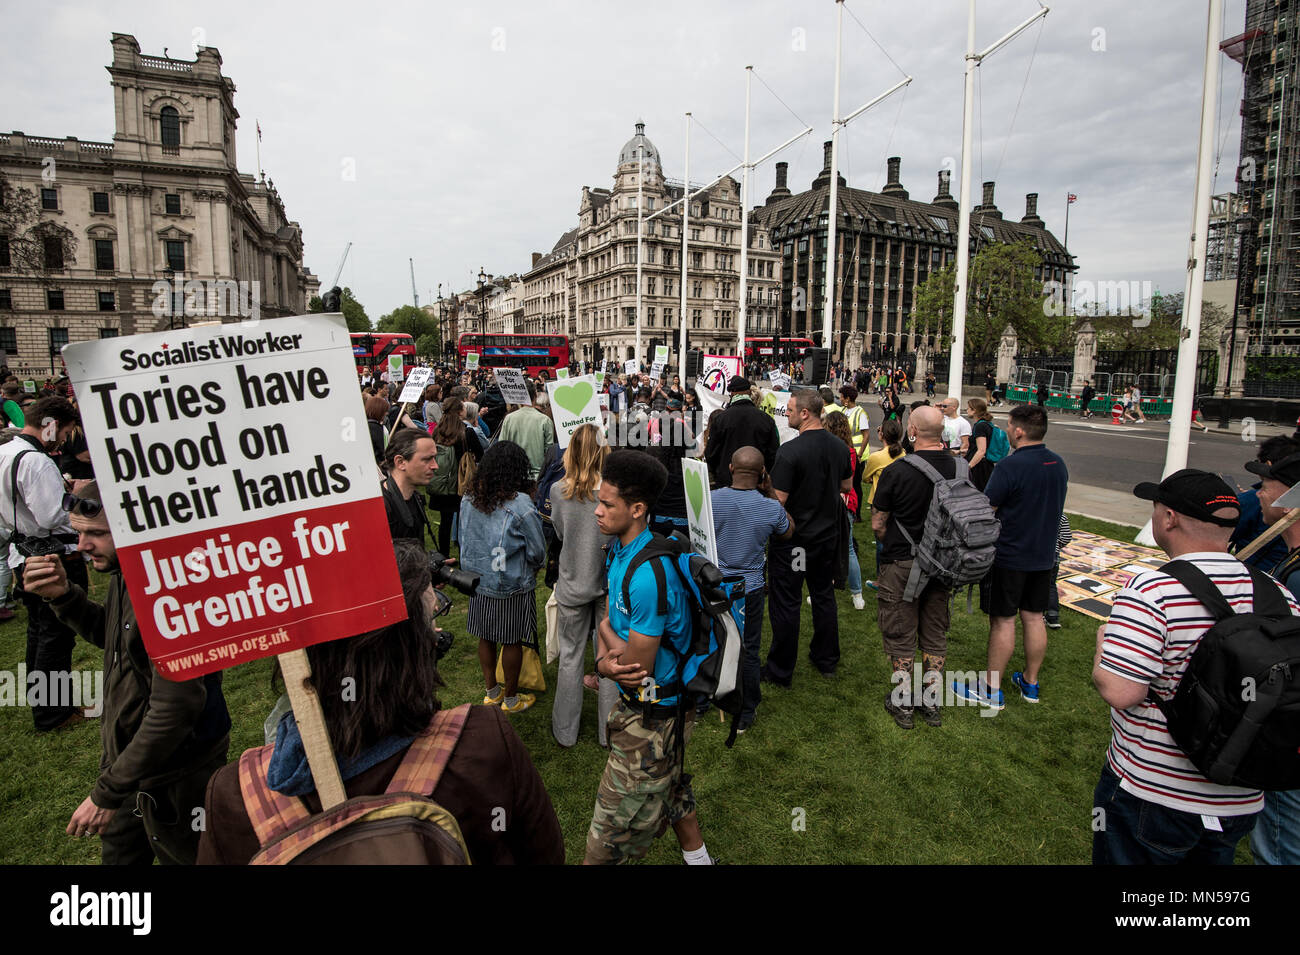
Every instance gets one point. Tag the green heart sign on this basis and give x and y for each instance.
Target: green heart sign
(574, 398)
(694, 492)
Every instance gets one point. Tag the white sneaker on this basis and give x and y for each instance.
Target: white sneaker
(858, 602)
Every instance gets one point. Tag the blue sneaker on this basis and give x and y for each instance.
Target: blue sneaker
(1029, 691)
(974, 694)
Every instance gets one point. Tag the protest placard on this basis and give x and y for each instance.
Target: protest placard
(471, 361)
(604, 401)
(514, 390)
(631, 367)
(699, 508)
(29, 386)
(717, 370)
(395, 368)
(240, 485)
(561, 374)
(415, 385)
(661, 355)
(783, 429)
(573, 403)
(600, 378)
(656, 371)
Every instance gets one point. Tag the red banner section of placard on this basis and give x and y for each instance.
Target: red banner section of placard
(209, 601)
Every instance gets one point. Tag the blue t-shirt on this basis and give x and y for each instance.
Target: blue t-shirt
(1028, 489)
(743, 521)
(642, 616)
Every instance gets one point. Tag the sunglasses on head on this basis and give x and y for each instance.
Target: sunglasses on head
(78, 505)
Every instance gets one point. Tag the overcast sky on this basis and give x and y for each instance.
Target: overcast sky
(474, 126)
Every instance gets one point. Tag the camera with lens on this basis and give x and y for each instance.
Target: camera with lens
(40, 546)
(462, 580)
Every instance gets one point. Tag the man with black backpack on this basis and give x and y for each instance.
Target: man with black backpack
(1170, 662)
(648, 630)
(1275, 839)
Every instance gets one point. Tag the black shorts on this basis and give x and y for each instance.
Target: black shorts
(1004, 592)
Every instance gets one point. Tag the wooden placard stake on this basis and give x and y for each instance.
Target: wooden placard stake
(1274, 530)
(311, 726)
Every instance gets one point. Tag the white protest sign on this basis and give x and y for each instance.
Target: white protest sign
(717, 370)
(573, 403)
(699, 508)
(415, 385)
(604, 401)
(561, 374)
(29, 387)
(514, 390)
(783, 429)
(661, 354)
(600, 378)
(656, 370)
(240, 486)
(471, 361)
(630, 367)
(395, 368)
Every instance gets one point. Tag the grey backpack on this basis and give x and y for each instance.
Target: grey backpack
(957, 541)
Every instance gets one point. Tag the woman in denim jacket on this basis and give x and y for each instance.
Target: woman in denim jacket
(501, 541)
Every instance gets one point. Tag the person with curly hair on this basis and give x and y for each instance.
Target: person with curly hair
(501, 541)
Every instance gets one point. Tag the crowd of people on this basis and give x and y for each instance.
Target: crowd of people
(468, 474)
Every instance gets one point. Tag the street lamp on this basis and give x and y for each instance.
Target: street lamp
(482, 294)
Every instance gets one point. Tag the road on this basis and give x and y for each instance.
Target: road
(1114, 457)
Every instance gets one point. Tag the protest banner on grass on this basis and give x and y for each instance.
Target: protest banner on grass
(240, 485)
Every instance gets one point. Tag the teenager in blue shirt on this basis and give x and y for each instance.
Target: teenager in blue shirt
(643, 785)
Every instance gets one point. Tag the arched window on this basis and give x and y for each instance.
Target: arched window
(171, 126)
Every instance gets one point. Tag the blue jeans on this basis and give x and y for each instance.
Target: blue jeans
(855, 569)
(750, 667)
(1133, 831)
(1276, 838)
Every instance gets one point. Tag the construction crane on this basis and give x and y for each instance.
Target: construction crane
(339, 272)
(414, 294)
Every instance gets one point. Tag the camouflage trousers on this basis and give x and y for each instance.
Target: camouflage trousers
(642, 791)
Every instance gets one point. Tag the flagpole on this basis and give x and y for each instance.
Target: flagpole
(258, 124)
(1066, 241)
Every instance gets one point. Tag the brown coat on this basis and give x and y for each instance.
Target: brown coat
(489, 769)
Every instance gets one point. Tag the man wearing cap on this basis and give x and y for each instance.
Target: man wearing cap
(740, 425)
(162, 740)
(1152, 805)
(1275, 840)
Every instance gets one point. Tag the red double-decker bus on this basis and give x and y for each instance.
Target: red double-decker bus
(372, 349)
(537, 356)
(791, 349)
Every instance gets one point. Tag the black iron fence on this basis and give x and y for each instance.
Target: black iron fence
(1275, 376)
(1152, 370)
(973, 368)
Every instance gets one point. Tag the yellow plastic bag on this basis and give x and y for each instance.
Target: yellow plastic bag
(530, 672)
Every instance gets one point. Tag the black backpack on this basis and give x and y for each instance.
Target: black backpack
(1236, 713)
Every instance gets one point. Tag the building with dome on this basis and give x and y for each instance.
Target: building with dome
(587, 283)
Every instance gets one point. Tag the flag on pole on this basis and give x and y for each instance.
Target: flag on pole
(259, 139)
(1071, 197)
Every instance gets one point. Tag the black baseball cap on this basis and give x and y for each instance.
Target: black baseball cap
(1286, 470)
(1197, 494)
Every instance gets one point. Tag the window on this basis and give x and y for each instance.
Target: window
(8, 339)
(175, 255)
(697, 289)
(104, 255)
(49, 198)
(650, 317)
(173, 204)
(6, 302)
(630, 315)
(668, 318)
(695, 235)
(58, 338)
(53, 246)
(695, 318)
(106, 302)
(650, 285)
(668, 287)
(170, 126)
(4, 251)
(99, 202)
(697, 260)
(108, 333)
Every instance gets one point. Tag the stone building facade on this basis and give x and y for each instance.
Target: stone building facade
(888, 244)
(164, 202)
(603, 314)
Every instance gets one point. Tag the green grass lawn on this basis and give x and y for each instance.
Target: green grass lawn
(1015, 788)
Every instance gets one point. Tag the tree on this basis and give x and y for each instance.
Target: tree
(428, 346)
(315, 304)
(1159, 326)
(415, 322)
(1002, 291)
(37, 246)
(353, 312)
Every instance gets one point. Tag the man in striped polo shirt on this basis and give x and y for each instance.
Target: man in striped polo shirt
(1152, 805)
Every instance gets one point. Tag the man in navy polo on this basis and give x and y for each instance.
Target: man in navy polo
(1027, 489)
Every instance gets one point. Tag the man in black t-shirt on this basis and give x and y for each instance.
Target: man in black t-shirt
(808, 477)
(901, 503)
